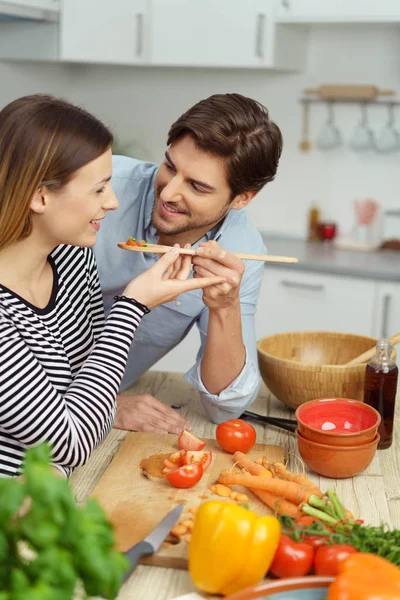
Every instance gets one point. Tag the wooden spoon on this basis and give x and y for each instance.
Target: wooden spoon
(366, 356)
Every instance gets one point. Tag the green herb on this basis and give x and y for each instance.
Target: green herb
(48, 545)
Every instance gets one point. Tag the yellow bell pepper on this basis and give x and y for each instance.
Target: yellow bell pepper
(231, 547)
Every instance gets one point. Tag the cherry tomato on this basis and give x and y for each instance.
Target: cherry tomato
(236, 435)
(292, 559)
(188, 441)
(202, 456)
(186, 476)
(328, 558)
(315, 541)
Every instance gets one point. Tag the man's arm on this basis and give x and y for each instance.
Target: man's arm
(226, 372)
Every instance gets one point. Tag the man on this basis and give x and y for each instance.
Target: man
(220, 153)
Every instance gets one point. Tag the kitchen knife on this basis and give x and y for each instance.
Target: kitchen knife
(153, 541)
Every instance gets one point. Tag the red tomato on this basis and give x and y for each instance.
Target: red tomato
(188, 441)
(202, 456)
(186, 476)
(175, 460)
(315, 541)
(292, 559)
(328, 558)
(236, 435)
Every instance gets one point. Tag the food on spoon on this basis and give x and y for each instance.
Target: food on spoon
(235, 435)
(131, 241)
(188, 441)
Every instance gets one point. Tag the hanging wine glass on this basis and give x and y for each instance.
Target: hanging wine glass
(389, 138)
(329, 136)
(363, 136)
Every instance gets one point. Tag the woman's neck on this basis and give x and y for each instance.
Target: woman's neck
(25, 270)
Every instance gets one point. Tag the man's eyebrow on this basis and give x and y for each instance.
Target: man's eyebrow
(202, 184)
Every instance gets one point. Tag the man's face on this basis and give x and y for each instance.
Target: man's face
(191, 191)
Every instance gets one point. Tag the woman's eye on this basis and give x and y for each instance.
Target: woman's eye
(102, 190)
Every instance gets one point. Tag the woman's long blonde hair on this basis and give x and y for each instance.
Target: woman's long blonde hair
(43, 141)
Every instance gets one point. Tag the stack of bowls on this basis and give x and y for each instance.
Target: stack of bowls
(337, 437)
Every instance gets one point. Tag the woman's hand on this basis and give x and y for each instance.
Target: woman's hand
(166, 280)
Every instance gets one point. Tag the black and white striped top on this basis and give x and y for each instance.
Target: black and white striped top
(61, 366)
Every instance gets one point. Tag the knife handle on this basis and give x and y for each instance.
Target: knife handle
(135, 554)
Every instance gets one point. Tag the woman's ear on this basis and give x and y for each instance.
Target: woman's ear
(242, 200)
(39, 201)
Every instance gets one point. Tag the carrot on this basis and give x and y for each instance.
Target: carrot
(296, 477)
(283, 489)
(278, 505)
(244, 462)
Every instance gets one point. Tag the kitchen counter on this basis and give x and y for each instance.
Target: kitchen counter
(324, 258)
(372, 496)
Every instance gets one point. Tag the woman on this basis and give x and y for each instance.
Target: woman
(61, 363)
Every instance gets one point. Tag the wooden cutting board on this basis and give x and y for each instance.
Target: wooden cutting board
(135, 504)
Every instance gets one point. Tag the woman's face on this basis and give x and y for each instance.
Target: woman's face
(73, 215)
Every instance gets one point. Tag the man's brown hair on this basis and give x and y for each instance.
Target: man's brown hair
(43, 141)
(239, 130)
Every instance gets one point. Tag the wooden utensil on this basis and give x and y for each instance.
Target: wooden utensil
(305, 144)
(156, 249)
(134, 503)
(349, 92)
(366, 356)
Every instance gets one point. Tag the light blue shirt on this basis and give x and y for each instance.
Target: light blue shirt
(167, 325)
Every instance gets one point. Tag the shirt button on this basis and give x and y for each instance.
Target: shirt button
(178, 303)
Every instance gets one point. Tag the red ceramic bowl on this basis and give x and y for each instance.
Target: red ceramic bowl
(336, 462)
(338, 421)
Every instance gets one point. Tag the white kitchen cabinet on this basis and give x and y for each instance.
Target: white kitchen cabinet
(292, 300)
(387, 310)
(33, 10)
(337, 11)
(112, 31)
(205, 33)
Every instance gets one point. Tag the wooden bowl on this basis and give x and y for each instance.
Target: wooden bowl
(336, 462)
(337, 421)
(302, 365)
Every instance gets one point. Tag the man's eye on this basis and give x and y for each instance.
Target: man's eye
(168, 166)
(197, 188)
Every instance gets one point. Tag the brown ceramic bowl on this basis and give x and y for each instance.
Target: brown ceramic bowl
(312, 587)
(338, 422)
(336, 462)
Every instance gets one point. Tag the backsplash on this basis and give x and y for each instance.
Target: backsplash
(141, 103)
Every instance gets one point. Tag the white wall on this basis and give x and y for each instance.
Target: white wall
(141, 103)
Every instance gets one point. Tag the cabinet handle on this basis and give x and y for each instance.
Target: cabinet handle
(139, 34)
(260, 35)
(285, 3)
(385, 315)
(314, 287)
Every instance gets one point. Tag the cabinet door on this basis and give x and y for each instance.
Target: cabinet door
(293, 300)
(338, 10)
(110, 31)
(387, 312)
(210, 33)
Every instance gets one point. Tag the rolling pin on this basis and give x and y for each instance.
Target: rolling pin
(366, 356)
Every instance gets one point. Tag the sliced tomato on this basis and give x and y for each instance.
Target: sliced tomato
(174, 460)
(198, 456)
(186, 476)
(188, 441)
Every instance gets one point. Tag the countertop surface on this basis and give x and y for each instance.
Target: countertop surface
(321, 257)
(372, 496)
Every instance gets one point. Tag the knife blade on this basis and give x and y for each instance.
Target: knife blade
(153, 541)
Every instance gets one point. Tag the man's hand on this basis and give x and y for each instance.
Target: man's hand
(146, 413)
(213, 260)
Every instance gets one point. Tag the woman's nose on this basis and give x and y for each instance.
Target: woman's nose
(110, 202)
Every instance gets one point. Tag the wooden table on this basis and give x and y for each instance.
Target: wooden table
(373, 496)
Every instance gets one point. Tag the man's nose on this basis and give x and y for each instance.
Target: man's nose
(172, 191)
